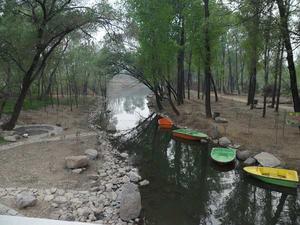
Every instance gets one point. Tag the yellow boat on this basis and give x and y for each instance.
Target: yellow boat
(282, 177)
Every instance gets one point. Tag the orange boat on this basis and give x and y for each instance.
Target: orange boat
(165, 123)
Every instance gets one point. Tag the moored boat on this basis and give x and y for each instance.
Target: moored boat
(188, 134)
(165, 123)
(277, 176)
(223, 155)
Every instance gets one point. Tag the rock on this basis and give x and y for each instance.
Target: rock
(134, 177)
(25, 135)
(124, 155)
(250, 161)
(221, 120)
(93, 176)
(243, 155)
(25, 199)
(144, 183)
(91, 154)
(224, 142)
(111, 128)
(53, 190)
(74, 162)
(49, 198)
(267, 159)
(10, 138)
(77, 171)
(214, 131)
(130, 203)
(60, 200)
(85, 211)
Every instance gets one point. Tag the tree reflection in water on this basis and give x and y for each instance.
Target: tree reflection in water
(185, 189)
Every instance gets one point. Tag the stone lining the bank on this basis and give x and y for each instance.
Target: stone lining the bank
(100, 204)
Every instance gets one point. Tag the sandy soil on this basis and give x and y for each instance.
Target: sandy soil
(41, 165)
(245, 127)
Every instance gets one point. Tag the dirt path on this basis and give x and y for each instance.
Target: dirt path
(34, 140)
(242, 99)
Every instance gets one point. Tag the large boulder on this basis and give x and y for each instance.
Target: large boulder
(250, 162)
(134, 177)
(25, 199)
(130, 202)
(91, 154)
(221, 120)
(74, 162)
(267, 159)
(224, 142)
(243, 155)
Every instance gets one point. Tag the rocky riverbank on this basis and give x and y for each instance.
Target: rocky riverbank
(111, 195)
(256, 145)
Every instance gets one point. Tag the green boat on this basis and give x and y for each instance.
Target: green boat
(223, 155)
(188, 134)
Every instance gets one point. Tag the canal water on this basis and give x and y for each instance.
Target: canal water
(186, 188)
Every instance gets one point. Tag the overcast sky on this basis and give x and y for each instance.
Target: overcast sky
(100, 33)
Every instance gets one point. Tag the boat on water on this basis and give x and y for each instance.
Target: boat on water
(188, 134)
(165, 123)
(277, 176)
(223, 155)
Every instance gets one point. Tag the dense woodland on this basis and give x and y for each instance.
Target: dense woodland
(174, 47)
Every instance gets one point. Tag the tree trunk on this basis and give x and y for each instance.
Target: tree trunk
(290, 58)
(237, 71)
(276, 73)
(18, 106)
(198, 83)
(279, 79)
(215, 89)
(180, 65)
(230, 77)
(207, 61)
(189, 75)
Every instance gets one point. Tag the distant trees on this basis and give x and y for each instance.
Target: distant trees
(30, 33)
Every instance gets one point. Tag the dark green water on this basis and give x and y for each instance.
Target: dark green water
(186, 188)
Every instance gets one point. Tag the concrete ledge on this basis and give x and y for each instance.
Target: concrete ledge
(16, 220)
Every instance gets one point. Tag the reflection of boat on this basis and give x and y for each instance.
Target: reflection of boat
(189, 134)
(165, 123)
(223, 167)
(281, 177)
(223, 155)
(266, 186)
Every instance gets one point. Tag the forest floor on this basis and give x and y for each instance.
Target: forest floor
(245, 127)
(41, 164)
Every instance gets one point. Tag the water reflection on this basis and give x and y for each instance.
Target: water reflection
(186, 188)
(127, 102)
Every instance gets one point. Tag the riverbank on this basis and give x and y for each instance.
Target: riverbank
(94, 193)
(245, 127)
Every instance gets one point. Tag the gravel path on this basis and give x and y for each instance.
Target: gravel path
(34, 140)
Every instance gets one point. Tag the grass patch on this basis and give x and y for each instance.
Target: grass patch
(36, 104)
(2, 141)
(29, 104)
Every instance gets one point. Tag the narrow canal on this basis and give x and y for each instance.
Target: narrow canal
(186, 188)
